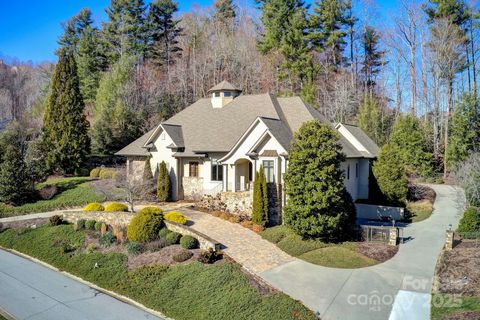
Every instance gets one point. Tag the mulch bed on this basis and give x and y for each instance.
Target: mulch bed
(377, 251)
(31, 223)
(459, 271)
(163, 257)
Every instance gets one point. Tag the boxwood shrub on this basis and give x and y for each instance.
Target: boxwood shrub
(176, 217)
(145, 225)
(116, 207)
(173, 238)
(94, 206)
(163, 232)
(189, 242)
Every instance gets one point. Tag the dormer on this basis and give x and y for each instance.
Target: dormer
(223, 93)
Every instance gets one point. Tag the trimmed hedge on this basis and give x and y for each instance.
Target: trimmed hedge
(145, 225)
(163, 232)
(189, 242)
(470, 221)
(94, 206)
(173, 238)
(116, 207)
(176, 217)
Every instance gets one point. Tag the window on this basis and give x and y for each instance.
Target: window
(227, 94)
(217, 94)
(356, 170)
(268, 169)
(348, 172)
(193, 169)
(217, 171)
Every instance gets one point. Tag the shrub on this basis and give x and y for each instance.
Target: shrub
(173, 238)
(90, 224)
(155, 245)
(247, 224)
(91, 247)
(163, 232)
(80, 224)
(470, 221)
(47, 192)
(164, 185)
(209, 256)
(94, 206)
(189, 242)
(133, 247)
(107, 173)
(176, 216)
(107, 239)
(145, 225)
(55, 220)
(82, 172)
(98, 225)
(95, 173)
(116, 207)
(260, 199)
(318, 203)
(234, 219)
(182, 256)
(389, 171)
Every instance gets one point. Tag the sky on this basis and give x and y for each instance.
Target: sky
(29, 29)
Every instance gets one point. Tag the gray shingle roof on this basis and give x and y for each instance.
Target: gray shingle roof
(362, 137)
(224, 85)
(136, 147)
(175, 132)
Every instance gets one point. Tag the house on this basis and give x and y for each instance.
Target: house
(214, 146)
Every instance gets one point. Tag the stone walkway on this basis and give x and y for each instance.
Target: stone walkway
(245, 246)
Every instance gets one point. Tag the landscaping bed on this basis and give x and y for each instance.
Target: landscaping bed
(420, 203)
(457, 289)
(70, 192)
(334, 255)
(184, 290)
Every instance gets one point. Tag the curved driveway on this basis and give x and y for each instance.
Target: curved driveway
(397, 289)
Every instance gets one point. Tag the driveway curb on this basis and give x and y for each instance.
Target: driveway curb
(91, 285)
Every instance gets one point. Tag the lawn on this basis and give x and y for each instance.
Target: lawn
(446, 306)
(419, 210)
(73, 192)
(341, 255)
(190, 291)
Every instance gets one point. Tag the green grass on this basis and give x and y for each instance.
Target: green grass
(419, 210)
(448, 305)
(192, 291)
(72, 192)
(335, 255)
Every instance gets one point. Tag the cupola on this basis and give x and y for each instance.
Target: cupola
(223, 93)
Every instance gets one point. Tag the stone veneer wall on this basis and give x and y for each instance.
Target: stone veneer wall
(192, 188)
(234, 202)
(122, 219)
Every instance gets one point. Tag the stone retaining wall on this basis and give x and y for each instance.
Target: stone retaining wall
(239, 203)
(205, 241)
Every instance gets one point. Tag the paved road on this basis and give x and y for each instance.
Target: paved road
(31, 291)
(402, 284)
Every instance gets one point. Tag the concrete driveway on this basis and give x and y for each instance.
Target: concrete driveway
(31, 291)
(397, 289)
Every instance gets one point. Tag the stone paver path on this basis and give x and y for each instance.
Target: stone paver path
(245, 246)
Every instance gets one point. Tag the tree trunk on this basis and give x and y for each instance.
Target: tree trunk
(447, 118)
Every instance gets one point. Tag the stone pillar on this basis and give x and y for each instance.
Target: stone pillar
(449, 240)
(393, 237)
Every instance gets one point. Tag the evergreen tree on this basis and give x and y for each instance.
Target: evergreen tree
(407, 136)
(164, 185)
(318, 203)
(164, 30)
(373, 57)
(73, 30)
(65, 128)
(465, 130)
(260, 199)
(371, 120)
(147, 171)
(328, 22)
(455, 10)
(225, 13)
(126, 30)
(16, 180)
(116, 124)
(389, 171)
(276, 19)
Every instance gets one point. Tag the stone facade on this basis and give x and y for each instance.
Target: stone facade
(135, 167)
(239, 203)
(192, 188)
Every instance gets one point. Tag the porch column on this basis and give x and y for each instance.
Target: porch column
(234, 178)
(225, 178)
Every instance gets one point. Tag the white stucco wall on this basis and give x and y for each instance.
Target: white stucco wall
(163, 153)
(351, 182)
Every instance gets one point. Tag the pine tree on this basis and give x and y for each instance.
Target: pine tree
(465, 130)
(408, 137)
(318, 203)
(65, 128)
(373, 57)
(328, 22)
(455, 10)
(164, 185)
(73, 30)
(126, 30)
(260, 199)
(164, 30)
(371, 120)
(16, 180)
(225, 13)
(147, 171)
(389, 171)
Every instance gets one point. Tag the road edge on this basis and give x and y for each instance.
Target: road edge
(113, 294)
